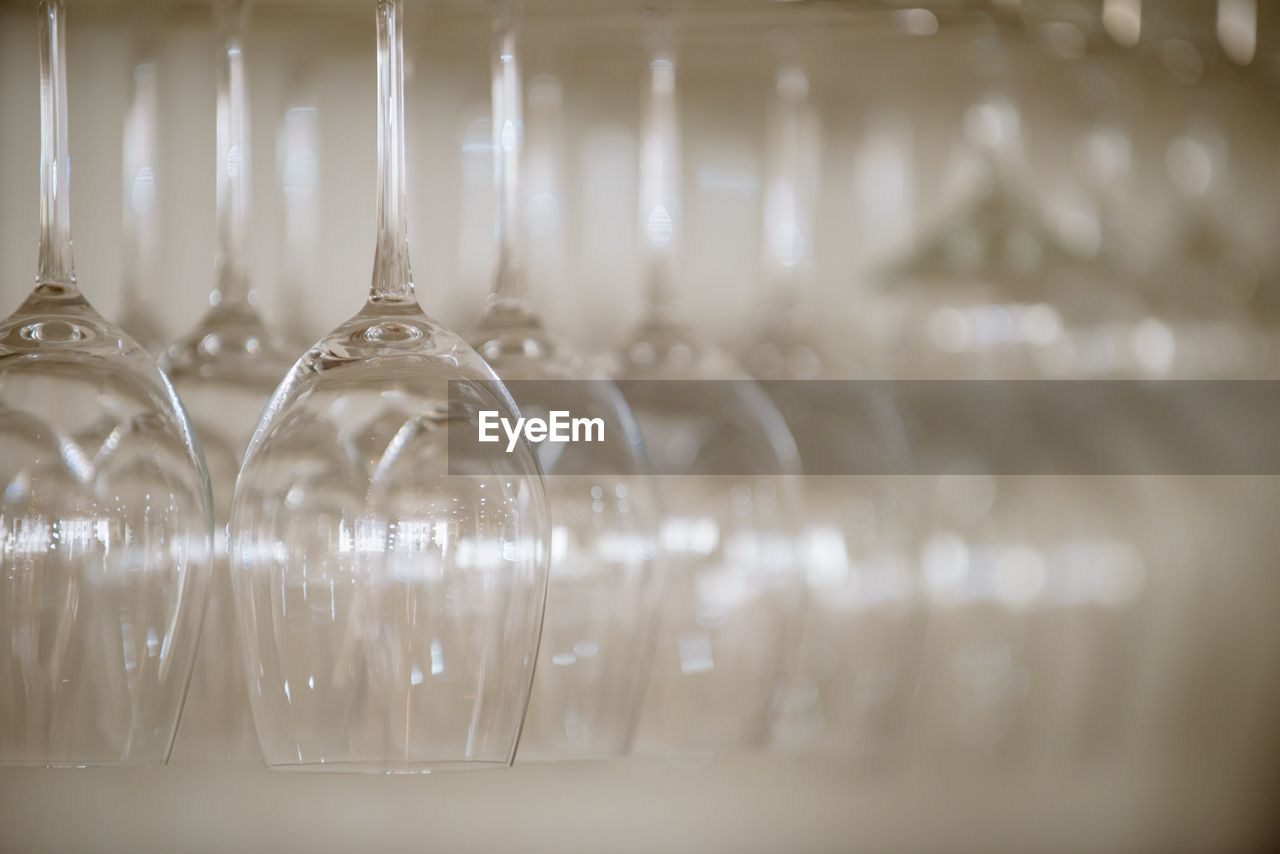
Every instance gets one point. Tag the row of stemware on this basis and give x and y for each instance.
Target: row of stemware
(387, 609)
(389, 617)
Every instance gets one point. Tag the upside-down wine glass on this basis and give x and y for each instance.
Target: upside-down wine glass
(854, 673)
(1097, 593)
(781, 346)
(601, 597)
(1212, 300)
(225, 369)
(104, 553)
(725, 462)
(990, 292)
(389, 582)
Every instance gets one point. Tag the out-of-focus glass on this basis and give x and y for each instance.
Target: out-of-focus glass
(596, 638)
(854, 673)
(139, 213)
(732, 591)
(225, 369)
(982, 294)
(602, 594)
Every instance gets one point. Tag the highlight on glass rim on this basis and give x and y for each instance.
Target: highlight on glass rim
(755, 426)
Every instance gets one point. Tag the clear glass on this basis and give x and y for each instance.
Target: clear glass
(1028, 579)
(601, 598)
(1204, 291)
(854, 676)
(298, 164)
(390, 588)
(139, 215)
(104, 545)
(732, 591)
(981, 659)
(225, 370)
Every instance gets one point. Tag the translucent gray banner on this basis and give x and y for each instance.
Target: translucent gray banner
(828, 427)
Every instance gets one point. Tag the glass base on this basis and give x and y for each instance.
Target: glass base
(543, 757)
(380, 768)
(92, 763)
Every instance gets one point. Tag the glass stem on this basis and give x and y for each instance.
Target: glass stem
(57, 266)
(508, 143)
(392, 277)
(139, 184)
(231, 279)
(788, 191)
(660, 175)
(299, 142)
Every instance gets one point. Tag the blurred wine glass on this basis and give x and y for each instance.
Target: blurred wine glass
(298, 152)
(1002, 288)
(140, 214)
(733, 592)
(854, 674)
(225, 369)
(601, 599)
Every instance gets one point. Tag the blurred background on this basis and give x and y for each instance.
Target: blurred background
(1016, 189)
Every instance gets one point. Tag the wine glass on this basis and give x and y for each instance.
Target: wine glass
(1036, 591)
(139, 214)
(1208, 287)
(389, 583)
(298, 152)
(601, 597)
(726, 464)
(976, 650)
(781, 347)
(225, 369)
(105, 550)
(1209, 295)
(854, 673)
(1101, 536)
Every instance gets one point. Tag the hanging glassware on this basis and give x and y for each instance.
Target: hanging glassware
(1210, 314)
(975, 286)
(855, 672)
(601, 599)
(1097, 535)
(979, 667)
(1208, 288)
(298, 152)
(140, 215)
(389, 583)
(783, 345)
(1035, 592)
(732, 593)
(105, 550)
(225, 370)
